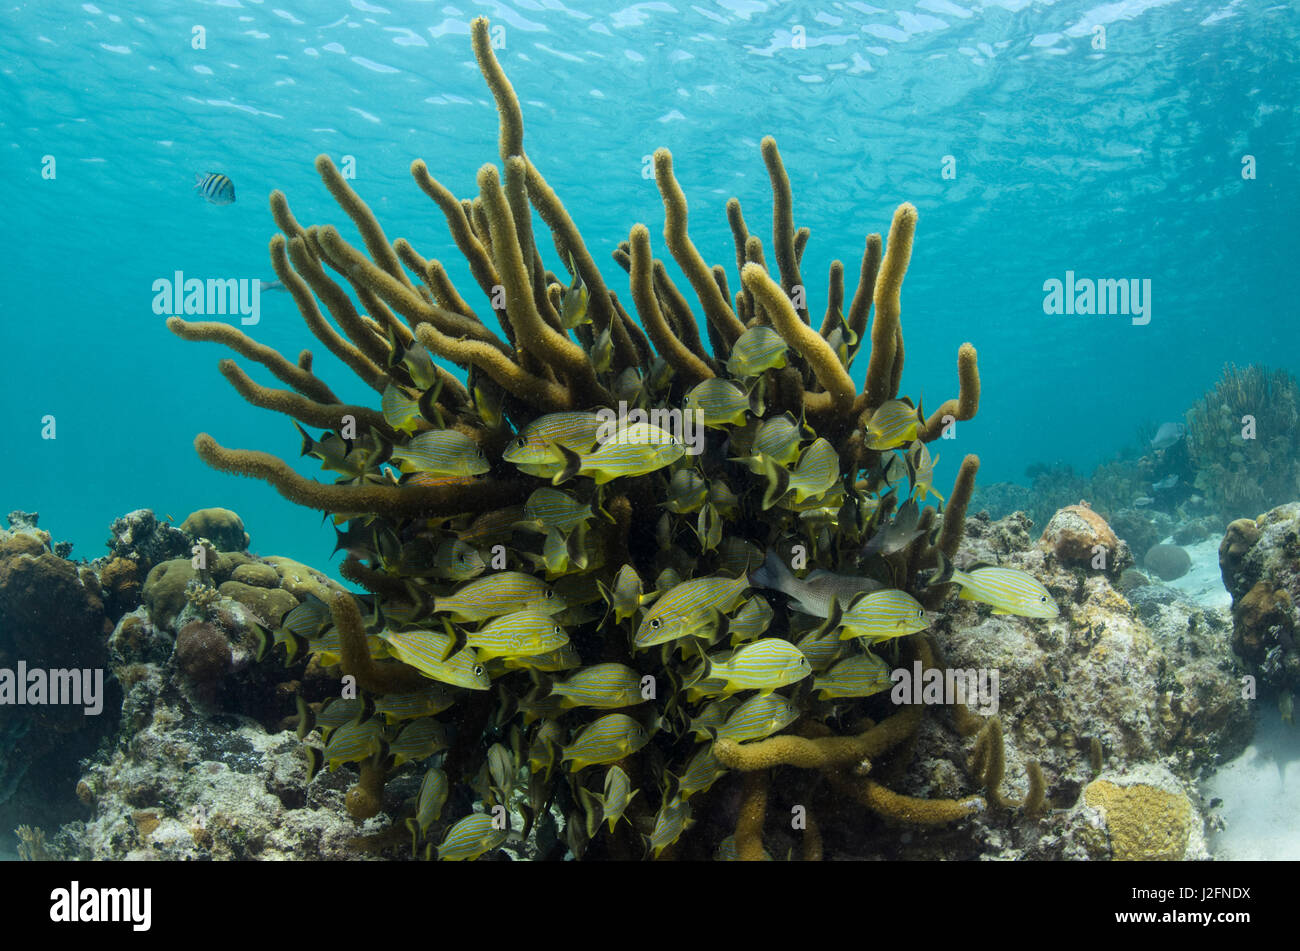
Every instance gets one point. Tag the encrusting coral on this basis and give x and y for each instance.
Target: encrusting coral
(481, 460)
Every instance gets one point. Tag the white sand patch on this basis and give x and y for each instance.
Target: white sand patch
(1203, 582)
(1261, 794)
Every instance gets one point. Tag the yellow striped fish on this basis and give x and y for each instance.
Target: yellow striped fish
(881, 615)
(1008, 590)
(401, 411)
(820, 649)
(604, 686)
(858, 676)
(680, 611)
(687, 491)
(522, 634)
(673, 819)
(711, 718)
(779, 439)
(816, 473)
(441, 452)
(395, 707)
(434, 789)
(758, 717)
(419, 740)
(563, 658)
(758, 349)
(353, 742)
(763, 665)
(893, 423)
(536, 450)
(426, 651)
(751, 621)
(215, 187)
(721, 402)
(608, 740)
(471, 837)
(626, 595)
(550, 509)
(610, 805)
(921, 468)
(701, 772)
(457, 560)
(504, 592)
(633, 450)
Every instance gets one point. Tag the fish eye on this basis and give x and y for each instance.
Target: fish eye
(557, 629)
(920, 612)
(654, 624)
(478, 670)
(549, 594)
(519, 442)
(1043, 599)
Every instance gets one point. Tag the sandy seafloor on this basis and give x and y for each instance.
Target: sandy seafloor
(1260, 789)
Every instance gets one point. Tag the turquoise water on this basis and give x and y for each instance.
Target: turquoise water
(1122, 162)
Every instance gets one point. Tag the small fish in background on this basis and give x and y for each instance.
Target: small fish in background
(1167, 435)
(216, 188)
(273, 285)
(1142, 501)
(1165, 484)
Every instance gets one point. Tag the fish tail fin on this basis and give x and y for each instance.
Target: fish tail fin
(572, 463)
(778, 482)
(306, 719)
(772, 573)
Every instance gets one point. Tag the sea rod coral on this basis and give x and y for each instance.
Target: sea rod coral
(559, 565)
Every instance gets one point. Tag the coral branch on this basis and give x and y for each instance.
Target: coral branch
(885, 327)
(967, 403)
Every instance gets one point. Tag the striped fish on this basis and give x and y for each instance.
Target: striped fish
(681, 610)
(687, 491)
(550, 509)
(337, 712)
(434, 789)
(893, 423)
(604, 686)
(779, 440)
(395, 707)
(491, 527)
(419, 740)
(751, 621)
(1008, 590)
(216, 188)
(673, 819)
(858, 676)
(701, 772)
(711, 718)
(626, 595)
(758, 349)
(610, 805)
(504, 592)
(608, 740)
(817, 471)
(562, 658)
(758, 717)
(881, 615)
(921, 469)
(401, 411)
(820, 649)
(634, 450)
(353, 742)
(471, 837)
(441, 452)
(763, 665)
(536, 450)
(521, 634)
(458, 560)
(721, 402)
(426, 651)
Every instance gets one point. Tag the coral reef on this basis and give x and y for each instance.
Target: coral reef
(1260, 562)
(1144, 822)
(1080, 538)
(506, 466)
(1241, 441)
